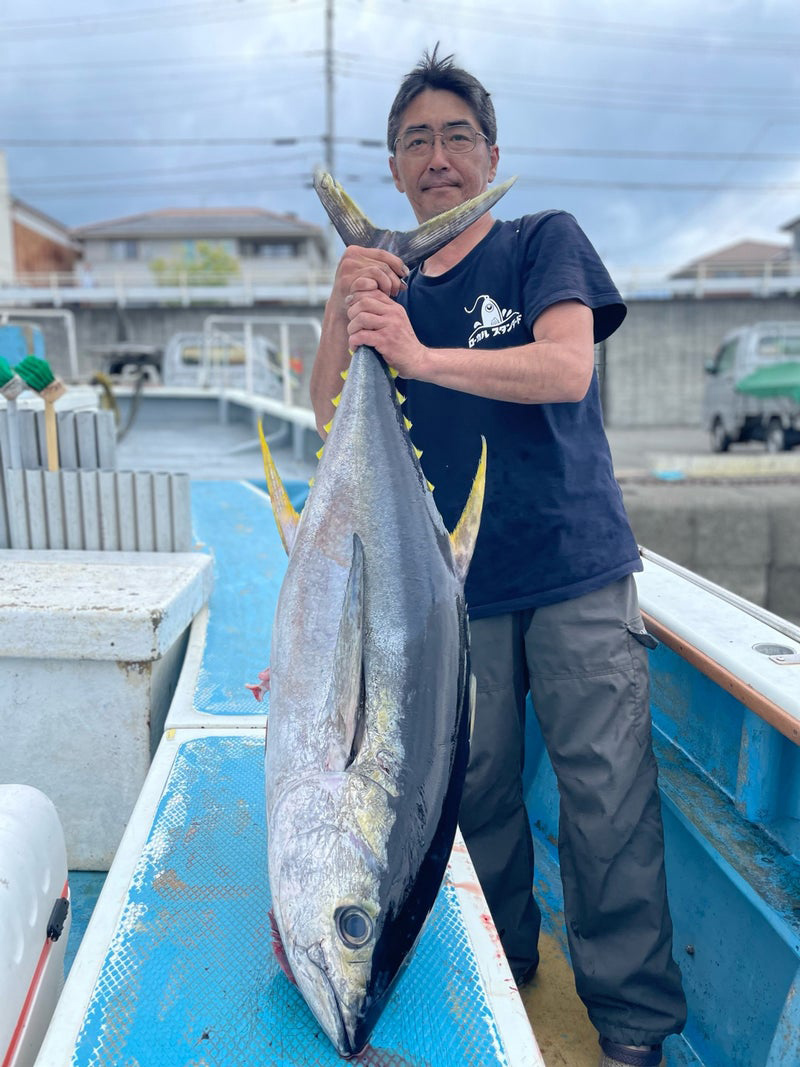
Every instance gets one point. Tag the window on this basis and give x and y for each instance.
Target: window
(124, 251)
(724, 360)
(257, 248)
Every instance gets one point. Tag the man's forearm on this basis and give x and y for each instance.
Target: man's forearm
(333, 357)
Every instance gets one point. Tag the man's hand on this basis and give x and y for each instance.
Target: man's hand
(369, 269)
(376, 320)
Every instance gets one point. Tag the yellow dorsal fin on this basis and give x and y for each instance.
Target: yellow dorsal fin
(285, 515)
(464, 536)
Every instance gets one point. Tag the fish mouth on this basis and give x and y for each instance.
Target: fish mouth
(350, 1039)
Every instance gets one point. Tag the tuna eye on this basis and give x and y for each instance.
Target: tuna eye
(354, 926)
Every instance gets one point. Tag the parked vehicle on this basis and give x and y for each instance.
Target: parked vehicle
(753, 387)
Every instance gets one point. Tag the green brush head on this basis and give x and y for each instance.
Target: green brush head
(35, 373)
(6, 373)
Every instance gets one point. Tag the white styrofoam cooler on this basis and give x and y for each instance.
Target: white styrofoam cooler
(34, 902)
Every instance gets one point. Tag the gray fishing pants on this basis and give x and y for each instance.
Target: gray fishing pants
(585, 663)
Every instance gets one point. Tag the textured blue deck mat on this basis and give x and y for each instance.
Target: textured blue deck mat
(190, 978)
(234, 522)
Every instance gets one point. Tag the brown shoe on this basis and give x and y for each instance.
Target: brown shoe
(615, 1055)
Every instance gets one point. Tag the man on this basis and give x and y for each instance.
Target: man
(495, 335)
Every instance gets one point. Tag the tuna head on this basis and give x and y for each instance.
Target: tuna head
(328, 908)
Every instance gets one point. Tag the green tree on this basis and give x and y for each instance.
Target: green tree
(208, 264)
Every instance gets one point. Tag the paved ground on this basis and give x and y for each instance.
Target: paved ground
(637, 450)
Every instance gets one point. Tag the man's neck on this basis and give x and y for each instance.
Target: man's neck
(453, 252)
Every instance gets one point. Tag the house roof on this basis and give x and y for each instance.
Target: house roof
(742, 254)
(34, 219)
(185, 223)
(793, 225)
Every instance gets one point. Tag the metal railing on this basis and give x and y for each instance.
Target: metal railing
(123, 288)
(304, 285)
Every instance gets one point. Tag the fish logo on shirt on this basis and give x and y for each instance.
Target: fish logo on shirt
(494, 321)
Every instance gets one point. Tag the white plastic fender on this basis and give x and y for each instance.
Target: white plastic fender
(34, 902)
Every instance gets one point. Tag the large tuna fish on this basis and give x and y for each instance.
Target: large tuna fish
(369, 715)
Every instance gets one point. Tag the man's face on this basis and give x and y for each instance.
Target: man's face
(439, 180)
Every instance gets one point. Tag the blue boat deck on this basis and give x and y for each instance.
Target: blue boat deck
(731, 801)
(176, 965)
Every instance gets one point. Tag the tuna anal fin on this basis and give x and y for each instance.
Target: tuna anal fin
(465, 535)
(345, 703)
(282, 508)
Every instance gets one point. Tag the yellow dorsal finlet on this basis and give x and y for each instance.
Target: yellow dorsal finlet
(286, 517)
(394, 373)
(335, 399)
(320, 451)
(408, 423)
(400, 398)
(343, 374)
(327, 426)
(464, 536)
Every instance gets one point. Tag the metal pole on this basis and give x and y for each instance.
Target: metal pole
(329, 88)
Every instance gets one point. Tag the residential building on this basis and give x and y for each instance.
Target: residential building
(32, 245)
(220, 243)
(744, 259)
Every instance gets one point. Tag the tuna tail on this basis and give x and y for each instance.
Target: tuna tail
(286, 517)
(465, 534)
(413, 246)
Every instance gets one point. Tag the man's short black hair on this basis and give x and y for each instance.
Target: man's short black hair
(434, 73)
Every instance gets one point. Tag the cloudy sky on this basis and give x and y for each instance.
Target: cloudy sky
(668, 127)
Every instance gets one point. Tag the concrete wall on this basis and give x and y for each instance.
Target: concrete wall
(653, 373)
(654, 363)
(745, 538)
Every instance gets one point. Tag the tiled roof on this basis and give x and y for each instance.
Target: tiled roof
(198, 223)
(743, 254)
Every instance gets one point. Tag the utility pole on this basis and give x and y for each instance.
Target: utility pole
(330, 162)
(330, 104)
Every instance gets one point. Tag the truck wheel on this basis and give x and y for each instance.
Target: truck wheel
(720, 442)
(776, 437)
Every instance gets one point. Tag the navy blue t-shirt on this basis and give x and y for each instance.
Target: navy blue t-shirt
(553, 526)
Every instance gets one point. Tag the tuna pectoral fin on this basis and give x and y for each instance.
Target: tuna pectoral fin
(345, 703)
(465, 535)
(282, 508)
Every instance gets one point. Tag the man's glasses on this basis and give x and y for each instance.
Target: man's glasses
(455, 139)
